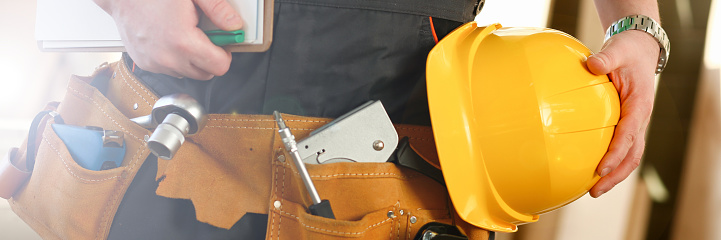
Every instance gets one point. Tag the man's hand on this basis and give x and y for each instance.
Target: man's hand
(162, 35)
(630, 60)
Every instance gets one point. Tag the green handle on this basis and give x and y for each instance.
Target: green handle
(222, 38)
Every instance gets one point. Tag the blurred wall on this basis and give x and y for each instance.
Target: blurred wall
(699, 212)
(30, 79)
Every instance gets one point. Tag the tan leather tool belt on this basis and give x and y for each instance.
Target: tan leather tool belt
(236, 164)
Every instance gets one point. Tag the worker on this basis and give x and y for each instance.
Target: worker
(328, 57)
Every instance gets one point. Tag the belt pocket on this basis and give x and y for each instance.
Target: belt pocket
(291, 221)
(63, 200)
(369, 200)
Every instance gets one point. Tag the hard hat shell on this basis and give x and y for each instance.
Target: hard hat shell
(520, 123)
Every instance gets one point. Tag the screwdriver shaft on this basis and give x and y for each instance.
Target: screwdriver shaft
(291, 146)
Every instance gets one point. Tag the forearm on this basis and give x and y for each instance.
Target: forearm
(610, 11)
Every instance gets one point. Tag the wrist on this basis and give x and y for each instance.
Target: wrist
(645, 26)
(643, 41)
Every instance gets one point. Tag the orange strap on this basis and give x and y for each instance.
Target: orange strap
(433, 29)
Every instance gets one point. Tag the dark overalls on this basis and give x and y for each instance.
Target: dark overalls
(327, 57)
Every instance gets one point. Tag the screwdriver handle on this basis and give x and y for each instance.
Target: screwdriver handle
(322, 209)
(319, 207)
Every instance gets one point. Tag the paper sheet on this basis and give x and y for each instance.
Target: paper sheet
(71, 24)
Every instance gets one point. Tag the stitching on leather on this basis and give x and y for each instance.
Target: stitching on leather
(265, 120)
(123, 68)
(398, 234)
(308, 121)
(333, 231)
(135, 80)
(375, 175)
(282, 197)
(68, 167)
(122, 75)
(105, 113)
(275, 182)
(395, 208)
(137, 156)
(116, 196)
(258, 128)
(390, 234)
(240, 120)
(362, 175)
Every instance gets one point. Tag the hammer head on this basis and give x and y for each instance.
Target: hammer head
(174, 117)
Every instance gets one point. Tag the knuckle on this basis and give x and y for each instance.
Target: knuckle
(635, 162)
(607, 58)
(181, 46)
(216, 6)
(217, 65)
(221, 68)
(630, 138)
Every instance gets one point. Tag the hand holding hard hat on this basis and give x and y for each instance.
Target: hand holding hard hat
(521, 124)
(628, 58)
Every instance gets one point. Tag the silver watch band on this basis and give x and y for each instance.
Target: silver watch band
(648, 25)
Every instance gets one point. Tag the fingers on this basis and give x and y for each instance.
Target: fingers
(190, 55)
(209, 57)
(177, 48)
(626, 148)
(599, 63)
(624, 137)
(630, 64)
(176, 69)
(610, 58)
(622, 50)
(630, 162)
(221, 13)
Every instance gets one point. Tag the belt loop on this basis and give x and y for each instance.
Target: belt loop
(479, 7)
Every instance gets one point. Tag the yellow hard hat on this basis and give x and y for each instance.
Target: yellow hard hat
(519, 121)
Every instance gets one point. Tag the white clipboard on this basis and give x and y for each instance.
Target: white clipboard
(82, 26)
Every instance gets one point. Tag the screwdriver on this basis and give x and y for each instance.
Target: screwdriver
(320, 207)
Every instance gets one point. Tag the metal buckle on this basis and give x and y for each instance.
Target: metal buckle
(479, 6)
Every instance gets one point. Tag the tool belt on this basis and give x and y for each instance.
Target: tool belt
(236, 165)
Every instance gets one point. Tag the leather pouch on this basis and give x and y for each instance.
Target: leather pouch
(61, 199)
(369, 200)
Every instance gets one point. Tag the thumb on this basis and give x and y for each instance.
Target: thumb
(604, 62)
(221, 13)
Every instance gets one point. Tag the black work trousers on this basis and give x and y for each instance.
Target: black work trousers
(325, 60)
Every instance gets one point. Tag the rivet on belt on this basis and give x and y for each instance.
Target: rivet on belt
(277, 205)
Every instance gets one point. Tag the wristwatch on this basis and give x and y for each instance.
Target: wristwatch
(648, 25)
